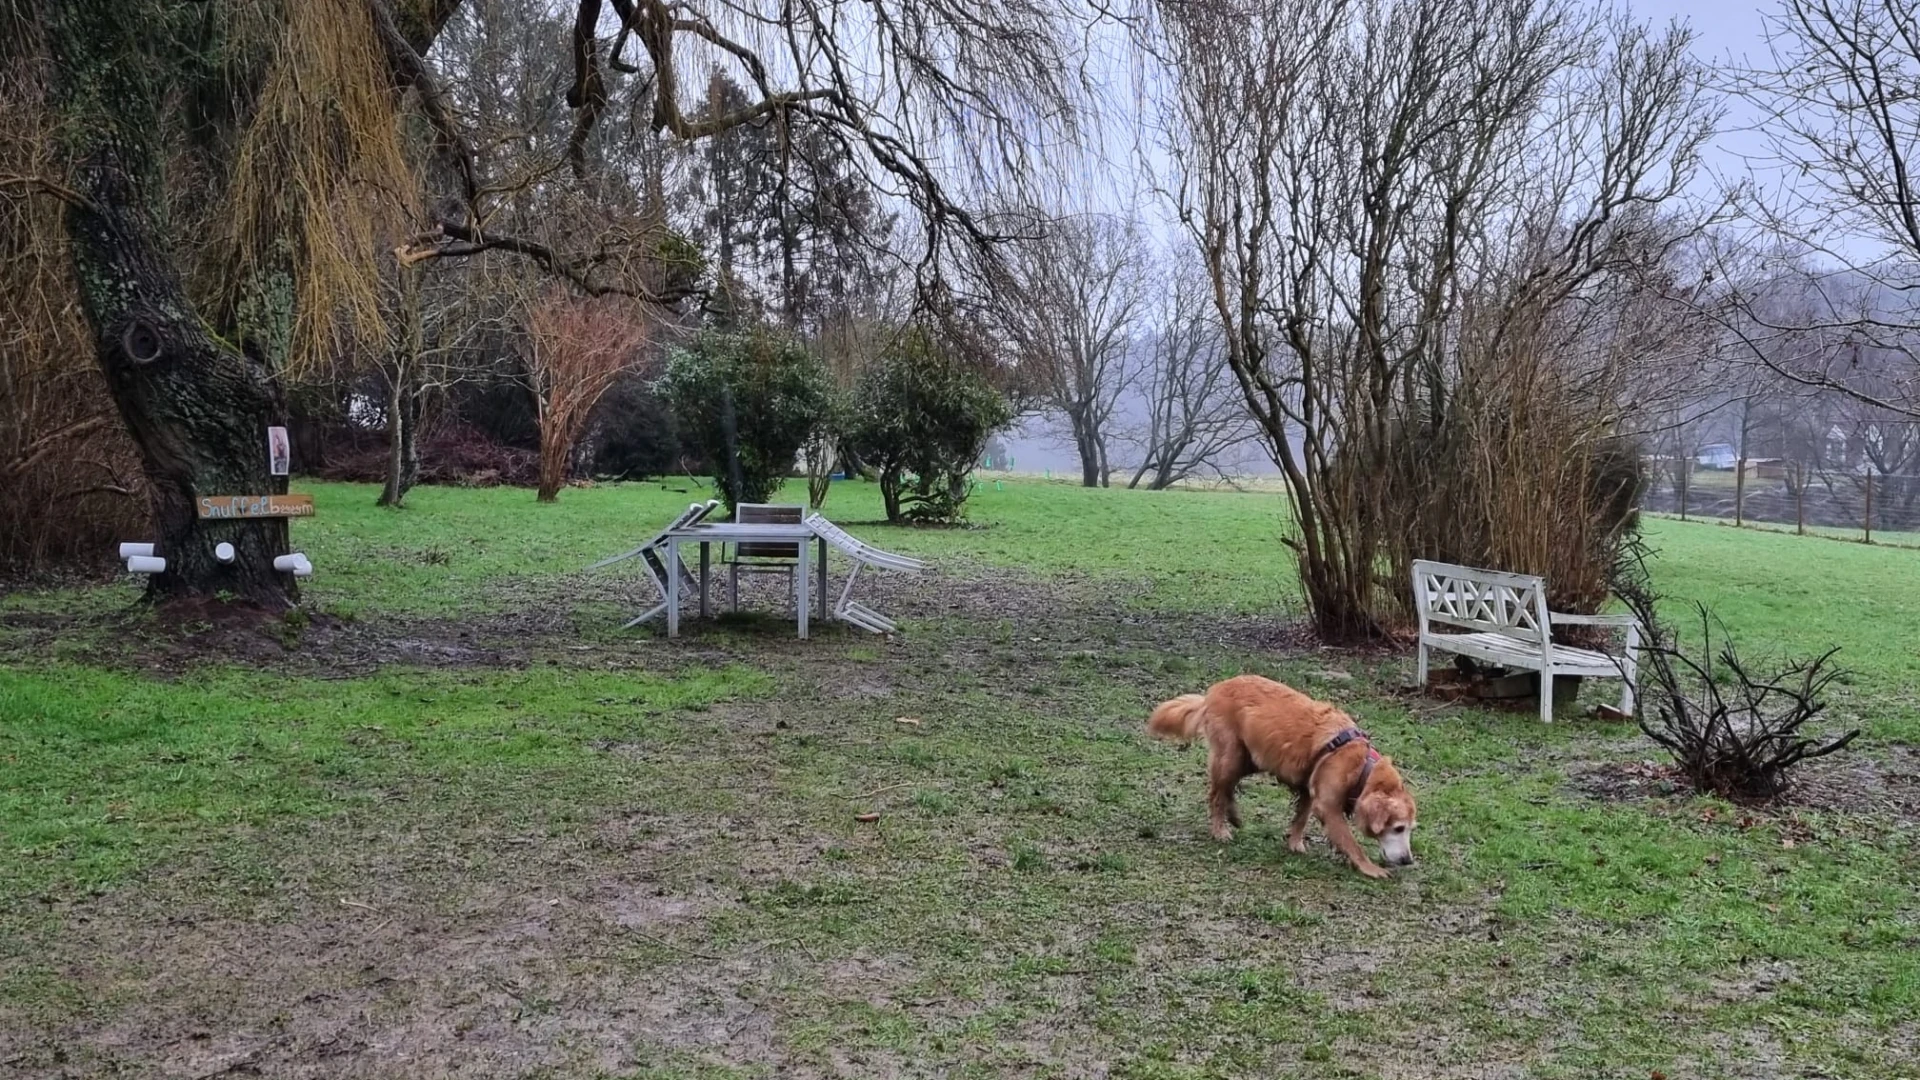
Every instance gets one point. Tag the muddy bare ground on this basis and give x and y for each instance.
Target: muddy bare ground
(553, 620)
(447, 939)
(1884, 781)
(429, 944)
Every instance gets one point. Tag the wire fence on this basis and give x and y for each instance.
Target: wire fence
(1858, 503)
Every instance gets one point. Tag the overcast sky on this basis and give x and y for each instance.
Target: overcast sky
(1724, 31)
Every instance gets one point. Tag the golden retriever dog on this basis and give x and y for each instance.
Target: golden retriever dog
(1254, 725)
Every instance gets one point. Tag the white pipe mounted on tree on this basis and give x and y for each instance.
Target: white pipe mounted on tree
(296, 564)
(223, 551)
(145, 564)
(128, 551)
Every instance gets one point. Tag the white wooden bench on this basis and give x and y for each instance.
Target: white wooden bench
(1503, 619)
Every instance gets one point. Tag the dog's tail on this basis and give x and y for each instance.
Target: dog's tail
(1182, 719)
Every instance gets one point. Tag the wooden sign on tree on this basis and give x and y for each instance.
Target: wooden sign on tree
(255, 506)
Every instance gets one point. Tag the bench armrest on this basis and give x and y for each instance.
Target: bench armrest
(1592, 620)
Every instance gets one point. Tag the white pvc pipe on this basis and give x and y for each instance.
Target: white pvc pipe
(288, 563)
(304, 569)
(145, 564)
(128, 551)
(223, 551)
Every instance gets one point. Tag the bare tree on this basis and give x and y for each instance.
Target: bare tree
(1070, 303)
(436, 326)
(1195, 416)
(1841, 119)
(1390, 195)
(577, 348)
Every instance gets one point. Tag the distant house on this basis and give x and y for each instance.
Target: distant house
(1717, 456)
(1772, 468)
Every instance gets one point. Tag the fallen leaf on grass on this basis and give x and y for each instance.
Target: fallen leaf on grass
(907, 720)
(869, 818)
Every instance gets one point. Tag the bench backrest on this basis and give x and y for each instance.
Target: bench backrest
(768, 514)
(1510, 604)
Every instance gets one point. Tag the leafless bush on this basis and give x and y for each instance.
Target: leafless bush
(1734, 730)
(1403, 215)
(1518, 460)
(577, 348)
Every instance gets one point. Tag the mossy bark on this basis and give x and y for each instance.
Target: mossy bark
(197, 407)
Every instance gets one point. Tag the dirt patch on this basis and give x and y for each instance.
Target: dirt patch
(398, 961)
(1884, 784)
(564, 622)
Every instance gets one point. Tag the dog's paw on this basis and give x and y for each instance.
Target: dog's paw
(1222, 833)
(1372, 871)
(1297, 845)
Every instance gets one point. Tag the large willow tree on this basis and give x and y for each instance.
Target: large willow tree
(234, 171)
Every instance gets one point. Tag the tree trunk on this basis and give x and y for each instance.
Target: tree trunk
(1140, 473)
(554, 450)
(1087, 444)
(404, 408)
(890, 492)
(820, 472)
(197, 408)
(852, 464)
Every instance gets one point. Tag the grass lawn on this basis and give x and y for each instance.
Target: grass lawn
(456, 825)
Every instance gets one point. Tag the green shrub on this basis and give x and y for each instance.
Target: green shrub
(748, 402)
(921, 419)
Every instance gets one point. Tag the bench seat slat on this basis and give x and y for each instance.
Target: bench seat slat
(1500, 649)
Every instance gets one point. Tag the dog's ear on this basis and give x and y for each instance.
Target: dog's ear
(1372, 811)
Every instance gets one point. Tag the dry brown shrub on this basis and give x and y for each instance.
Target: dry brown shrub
(577, 348)
(70, 482)
(1521, 467)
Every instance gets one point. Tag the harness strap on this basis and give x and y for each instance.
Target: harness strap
(1360, 782)
(1340, 739)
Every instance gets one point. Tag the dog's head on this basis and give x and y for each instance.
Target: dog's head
(1385, 812)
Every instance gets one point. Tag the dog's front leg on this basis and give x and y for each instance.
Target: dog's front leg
(1340, 835)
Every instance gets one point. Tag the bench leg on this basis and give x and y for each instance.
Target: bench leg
(1420, 676)
(1630, 672)
(1546, 697)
